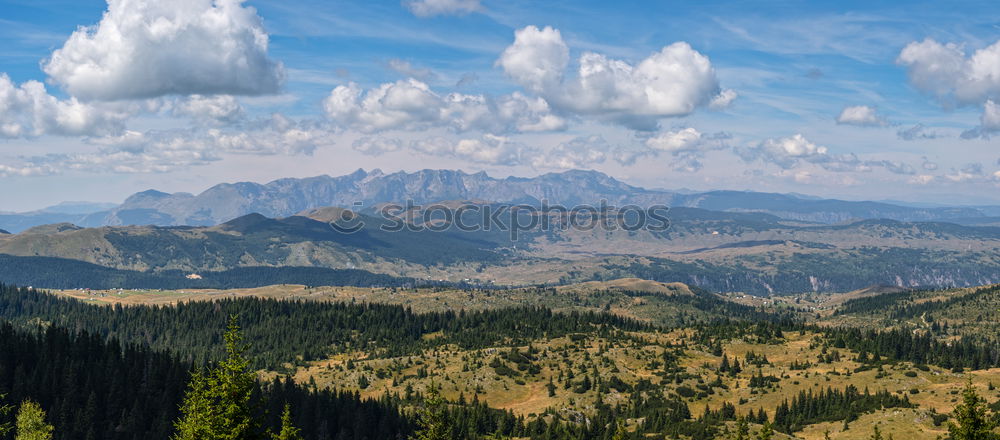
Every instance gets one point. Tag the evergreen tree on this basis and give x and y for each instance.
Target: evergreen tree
(433, 417)
(31, 424)
(198, 409)
(742, 429)
(288, 430)
(973, 422)
(876, 434)
(217, 404)
(766, 432)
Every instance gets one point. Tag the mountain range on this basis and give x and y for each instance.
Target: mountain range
(366, 189)
(726, 241)
(720, 251)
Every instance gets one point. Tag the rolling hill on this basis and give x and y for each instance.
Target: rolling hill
(721, 251)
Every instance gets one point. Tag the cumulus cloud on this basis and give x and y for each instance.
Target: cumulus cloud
(989, 122)
(408, 104)
(791, 152)
(171, 150)
(430, 8)
(489, 149)
(686, 147)
(916, 132)
(944, 72)
(723, 100)
(672, 82)
(216, 110)
(27, 110)
(412, 105)
(785, 152)
(579, 152)
(148, 48)
(861, 115)
(681, 141)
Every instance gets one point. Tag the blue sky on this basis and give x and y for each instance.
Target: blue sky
(856, 100)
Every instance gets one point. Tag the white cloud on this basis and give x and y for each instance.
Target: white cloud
(149, 48)
(489, 149)
(672, 82)
(165, 151)
(407, 69)
(430, 8)
(723, 100)
(686, 146)
(674, 142)
(916, 132)
(989, 122)
(412, 105)
(785, 152)
(26, 171)
(537, 59)
(579, 152)
(922, 179)
(861, 115)
(27, 110)
(408, 104)
(944, 71)
(218, 109)
(377, 146)
(791, 152)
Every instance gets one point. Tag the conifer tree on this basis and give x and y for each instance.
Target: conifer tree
(217, 404)
(288, 430)
(973, 422)
(766, 432)
(31, 424)
(742, 429)
(433, 417)
(876, 434)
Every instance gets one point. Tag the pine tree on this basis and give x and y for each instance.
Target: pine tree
(197, 409)
(433, 417)
(31, 423)
(973, 422)
(217, 404)
(766, 432)
(288, 430)
(742, 429)
(876, 434)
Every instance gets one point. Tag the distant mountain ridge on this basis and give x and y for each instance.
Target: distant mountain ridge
(363, 189)
(720, 251)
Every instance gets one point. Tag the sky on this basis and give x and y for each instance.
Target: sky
(872, 100)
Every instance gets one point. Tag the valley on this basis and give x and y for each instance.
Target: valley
(719, 357)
